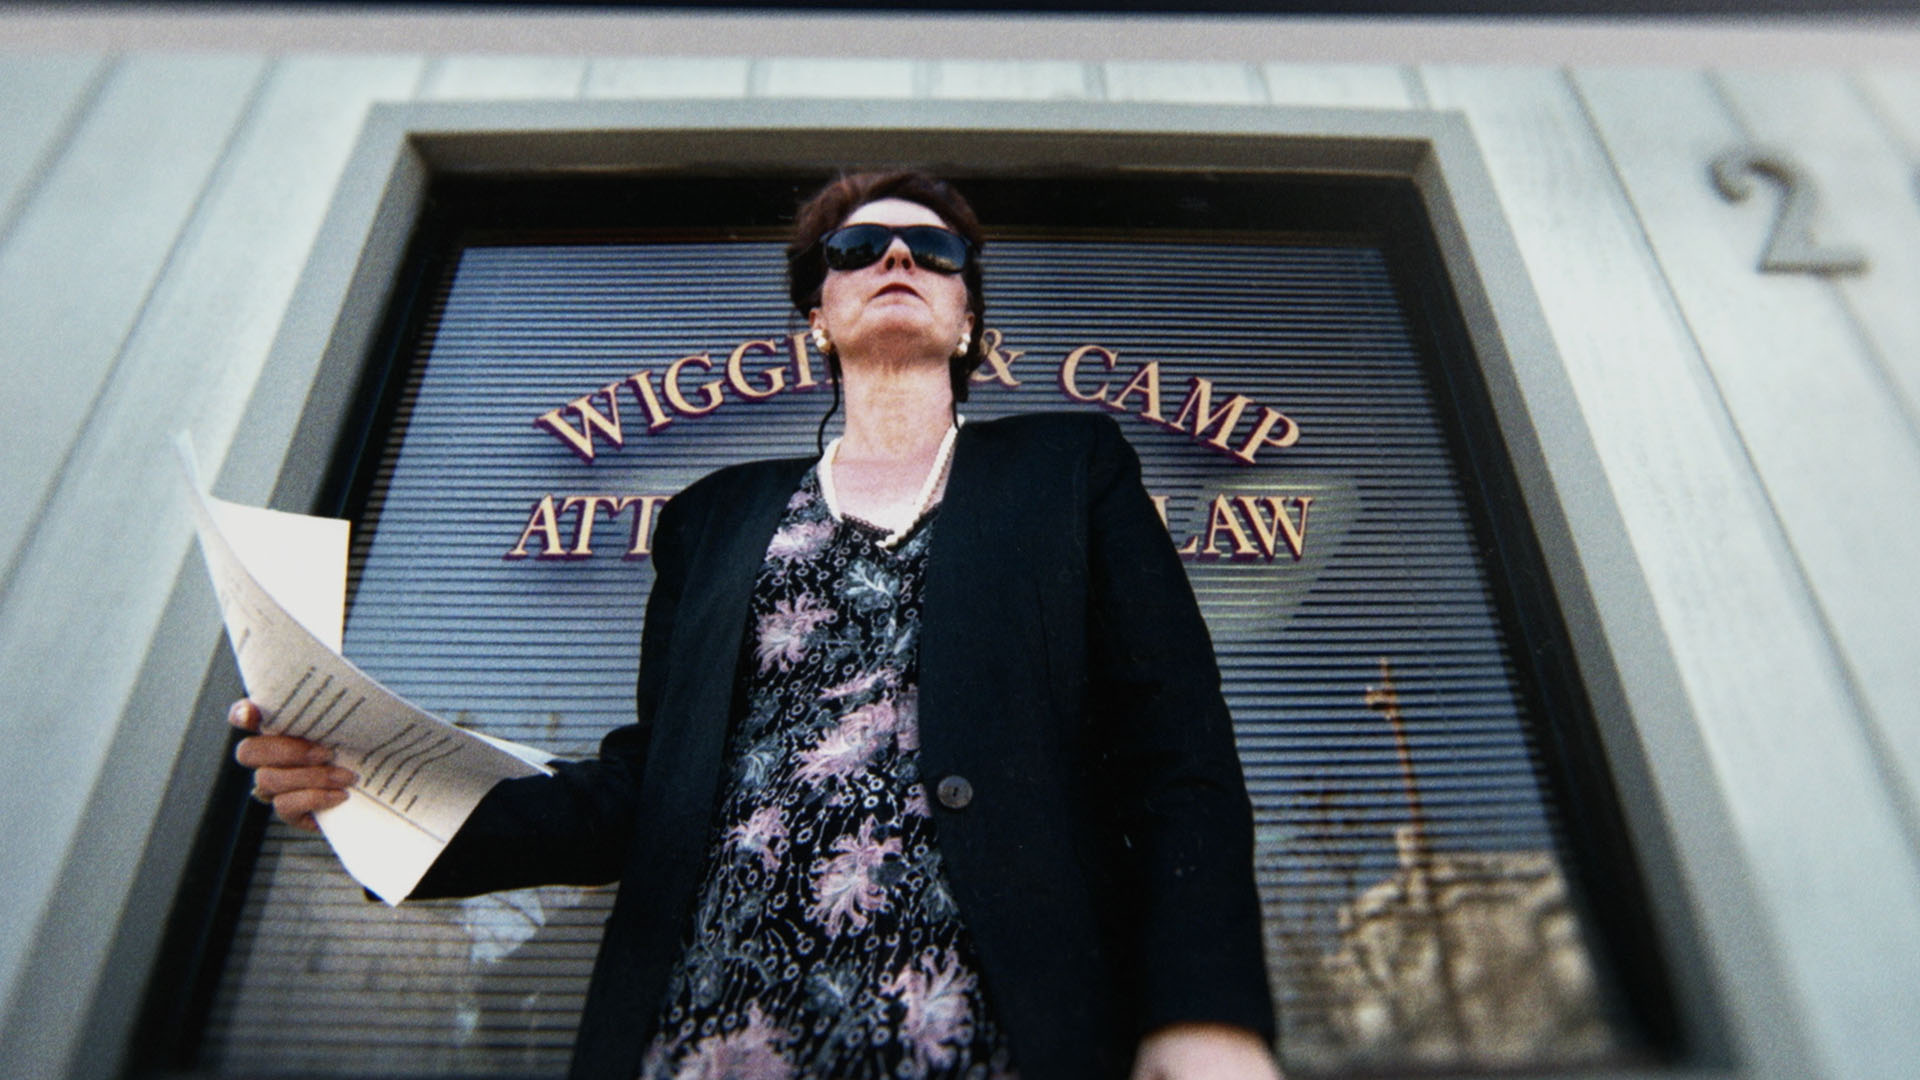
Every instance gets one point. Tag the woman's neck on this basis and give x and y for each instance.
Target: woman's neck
(896, 415)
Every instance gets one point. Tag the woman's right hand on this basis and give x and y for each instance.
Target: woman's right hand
(294, 776)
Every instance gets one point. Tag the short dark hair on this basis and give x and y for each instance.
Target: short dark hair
(830, 207)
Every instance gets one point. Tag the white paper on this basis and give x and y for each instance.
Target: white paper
(281, 580)
(300, 560)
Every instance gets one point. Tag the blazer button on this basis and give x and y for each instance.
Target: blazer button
(954, 792)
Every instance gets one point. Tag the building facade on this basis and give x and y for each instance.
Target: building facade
(1720, 453)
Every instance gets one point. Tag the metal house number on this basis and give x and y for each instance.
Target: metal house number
(1791, 248)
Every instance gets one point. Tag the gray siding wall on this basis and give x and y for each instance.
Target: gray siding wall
(1760, 434)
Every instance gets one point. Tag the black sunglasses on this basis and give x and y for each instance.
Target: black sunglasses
(851, 247)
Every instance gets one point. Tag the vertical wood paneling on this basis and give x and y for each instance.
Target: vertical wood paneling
(850, 77)
(43, 96)
(1028, 79)
(1774, 714)
(667, 77)
(1869, 201)
(493, 78)
(1191, 83)
(1841, 474)
(94, 576)
(1378, 86)
(83, 252)
(1894, 96)
(73, 276)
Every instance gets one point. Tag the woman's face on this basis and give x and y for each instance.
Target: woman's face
(893, 309)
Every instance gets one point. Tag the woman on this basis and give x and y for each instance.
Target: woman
(967, 803)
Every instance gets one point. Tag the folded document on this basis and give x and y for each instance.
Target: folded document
(281, 580)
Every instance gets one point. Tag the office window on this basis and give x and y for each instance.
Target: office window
(1444, 877)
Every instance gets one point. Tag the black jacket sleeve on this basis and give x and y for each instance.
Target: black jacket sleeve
(573, 827)
(1154, 686)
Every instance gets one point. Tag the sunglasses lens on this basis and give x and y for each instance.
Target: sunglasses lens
(854, 246)
(936, 249)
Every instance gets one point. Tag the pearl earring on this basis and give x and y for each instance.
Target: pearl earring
(820, 341)
(966, 342)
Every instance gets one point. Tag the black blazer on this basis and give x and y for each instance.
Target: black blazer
(1104, 862)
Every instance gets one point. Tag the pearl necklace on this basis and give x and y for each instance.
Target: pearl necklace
(942, 461)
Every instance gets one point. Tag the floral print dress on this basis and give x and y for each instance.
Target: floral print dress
(825, 942)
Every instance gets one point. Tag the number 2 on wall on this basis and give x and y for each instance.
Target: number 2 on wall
(1791, 248)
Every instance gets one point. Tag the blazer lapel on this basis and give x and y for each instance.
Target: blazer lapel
(708, 639)
(962, 538)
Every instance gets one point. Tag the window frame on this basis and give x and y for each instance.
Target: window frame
(330, 358)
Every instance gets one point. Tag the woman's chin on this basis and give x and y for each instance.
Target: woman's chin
(906, 347)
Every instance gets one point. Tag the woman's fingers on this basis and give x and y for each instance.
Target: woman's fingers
(297, 808)
(244, 715)
(295, 777)
(272, 783)
(279, 751)
(1204, 1051)
(296, 794)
